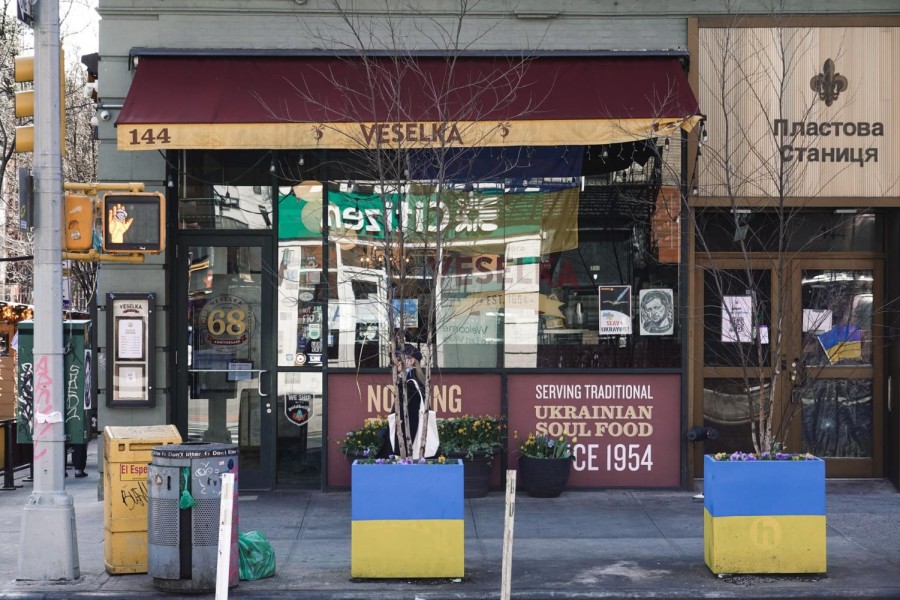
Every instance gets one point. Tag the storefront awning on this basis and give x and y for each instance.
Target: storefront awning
(286, 102)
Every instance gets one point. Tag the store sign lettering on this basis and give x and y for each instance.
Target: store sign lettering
(624, 429)
(797, 130)
(355, 397)
(380, 134)
(445, 399)
(461, 216)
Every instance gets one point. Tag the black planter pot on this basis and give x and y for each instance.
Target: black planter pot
(544, 477)
(476, 474)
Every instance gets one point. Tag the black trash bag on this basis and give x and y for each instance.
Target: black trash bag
(256, 554)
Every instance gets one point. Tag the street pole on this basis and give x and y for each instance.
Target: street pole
(48, 549)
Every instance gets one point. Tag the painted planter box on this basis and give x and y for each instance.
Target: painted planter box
(764, 516)
(407, 521)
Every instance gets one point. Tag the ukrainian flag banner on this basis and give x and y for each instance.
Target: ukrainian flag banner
(842, 342)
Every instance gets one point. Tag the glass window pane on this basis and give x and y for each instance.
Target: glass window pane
(737, 316)
(302, 340)
(726, 408)
(224, 190)
(792, 231)
(837, 418)
(837, 317)
(299, 427)
(621, 274)
(224, 311)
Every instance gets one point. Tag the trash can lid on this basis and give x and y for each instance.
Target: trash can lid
(195, 450)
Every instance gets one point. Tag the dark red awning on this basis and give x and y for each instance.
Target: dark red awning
(331, 102)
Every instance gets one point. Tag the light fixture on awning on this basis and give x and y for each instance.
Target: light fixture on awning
(290, 102)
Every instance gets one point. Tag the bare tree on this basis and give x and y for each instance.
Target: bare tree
(413, 183)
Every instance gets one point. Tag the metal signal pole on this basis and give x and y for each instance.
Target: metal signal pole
(48, 548)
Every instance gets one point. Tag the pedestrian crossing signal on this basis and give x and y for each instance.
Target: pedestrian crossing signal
(134, 222)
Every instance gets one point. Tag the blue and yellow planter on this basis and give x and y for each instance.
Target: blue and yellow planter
(407, 521)
(764, 516)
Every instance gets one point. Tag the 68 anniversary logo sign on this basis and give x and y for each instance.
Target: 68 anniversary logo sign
(227, 323)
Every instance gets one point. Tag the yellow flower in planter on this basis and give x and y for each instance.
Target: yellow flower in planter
(470, 435)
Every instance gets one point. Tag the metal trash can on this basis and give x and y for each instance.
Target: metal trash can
(183, 542)
(126, 454)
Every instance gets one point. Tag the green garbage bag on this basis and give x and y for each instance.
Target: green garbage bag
(186, 501)
(256, 554)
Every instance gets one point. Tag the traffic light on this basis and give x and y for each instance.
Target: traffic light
(24, 73)
(134, 222)
(78, 223)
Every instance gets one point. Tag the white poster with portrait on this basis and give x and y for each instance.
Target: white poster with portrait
(657, 312)
(737, 319)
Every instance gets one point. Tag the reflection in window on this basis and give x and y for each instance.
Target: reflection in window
(793, 231)
(224, 191)
(534, 272)
(299, 427)
(302, 339)
(837, 418)
(737, 312)
(837, 317)
(726, 408)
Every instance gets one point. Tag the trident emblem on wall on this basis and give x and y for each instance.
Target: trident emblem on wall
(828, 84)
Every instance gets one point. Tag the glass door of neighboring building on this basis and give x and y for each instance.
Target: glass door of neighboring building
(837, 365)
(805, 336)
(225, 350)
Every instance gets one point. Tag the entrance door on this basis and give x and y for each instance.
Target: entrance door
(225, 357)
(804, 335)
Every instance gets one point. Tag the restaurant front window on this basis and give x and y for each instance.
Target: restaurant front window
(541, 273)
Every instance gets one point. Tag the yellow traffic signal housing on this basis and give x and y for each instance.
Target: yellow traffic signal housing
(24, 73)
(134, 222)
(78, 223)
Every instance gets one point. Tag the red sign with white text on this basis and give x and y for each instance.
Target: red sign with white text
(626, 427)
(353, 398)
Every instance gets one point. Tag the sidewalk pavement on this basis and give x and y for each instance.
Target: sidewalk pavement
(582, 545)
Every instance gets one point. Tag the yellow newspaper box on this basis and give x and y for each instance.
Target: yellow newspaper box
(126, 460)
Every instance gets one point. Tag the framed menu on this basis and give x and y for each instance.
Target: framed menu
(130, 347)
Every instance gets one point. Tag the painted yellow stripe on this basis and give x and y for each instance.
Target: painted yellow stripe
(765, 544)
(408, 548)
(355, 136)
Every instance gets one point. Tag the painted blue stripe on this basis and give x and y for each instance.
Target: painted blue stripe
(771, 487)
(407, 492)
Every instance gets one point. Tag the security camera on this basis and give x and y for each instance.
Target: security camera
(105, 115)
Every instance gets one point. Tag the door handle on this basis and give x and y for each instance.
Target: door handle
(259, 384)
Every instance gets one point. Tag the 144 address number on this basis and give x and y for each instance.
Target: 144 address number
(149, 136)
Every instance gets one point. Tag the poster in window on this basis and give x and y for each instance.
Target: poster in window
(615, 310)
(297, 408)
(737, 319)
(657, 312)
(130, 382)
(406, 313)
(816, 321)
(129, 338)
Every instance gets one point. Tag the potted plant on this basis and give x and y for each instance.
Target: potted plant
(366, 441)
(544, 464)
(407, 518)
(475, 439)
(764, 513)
